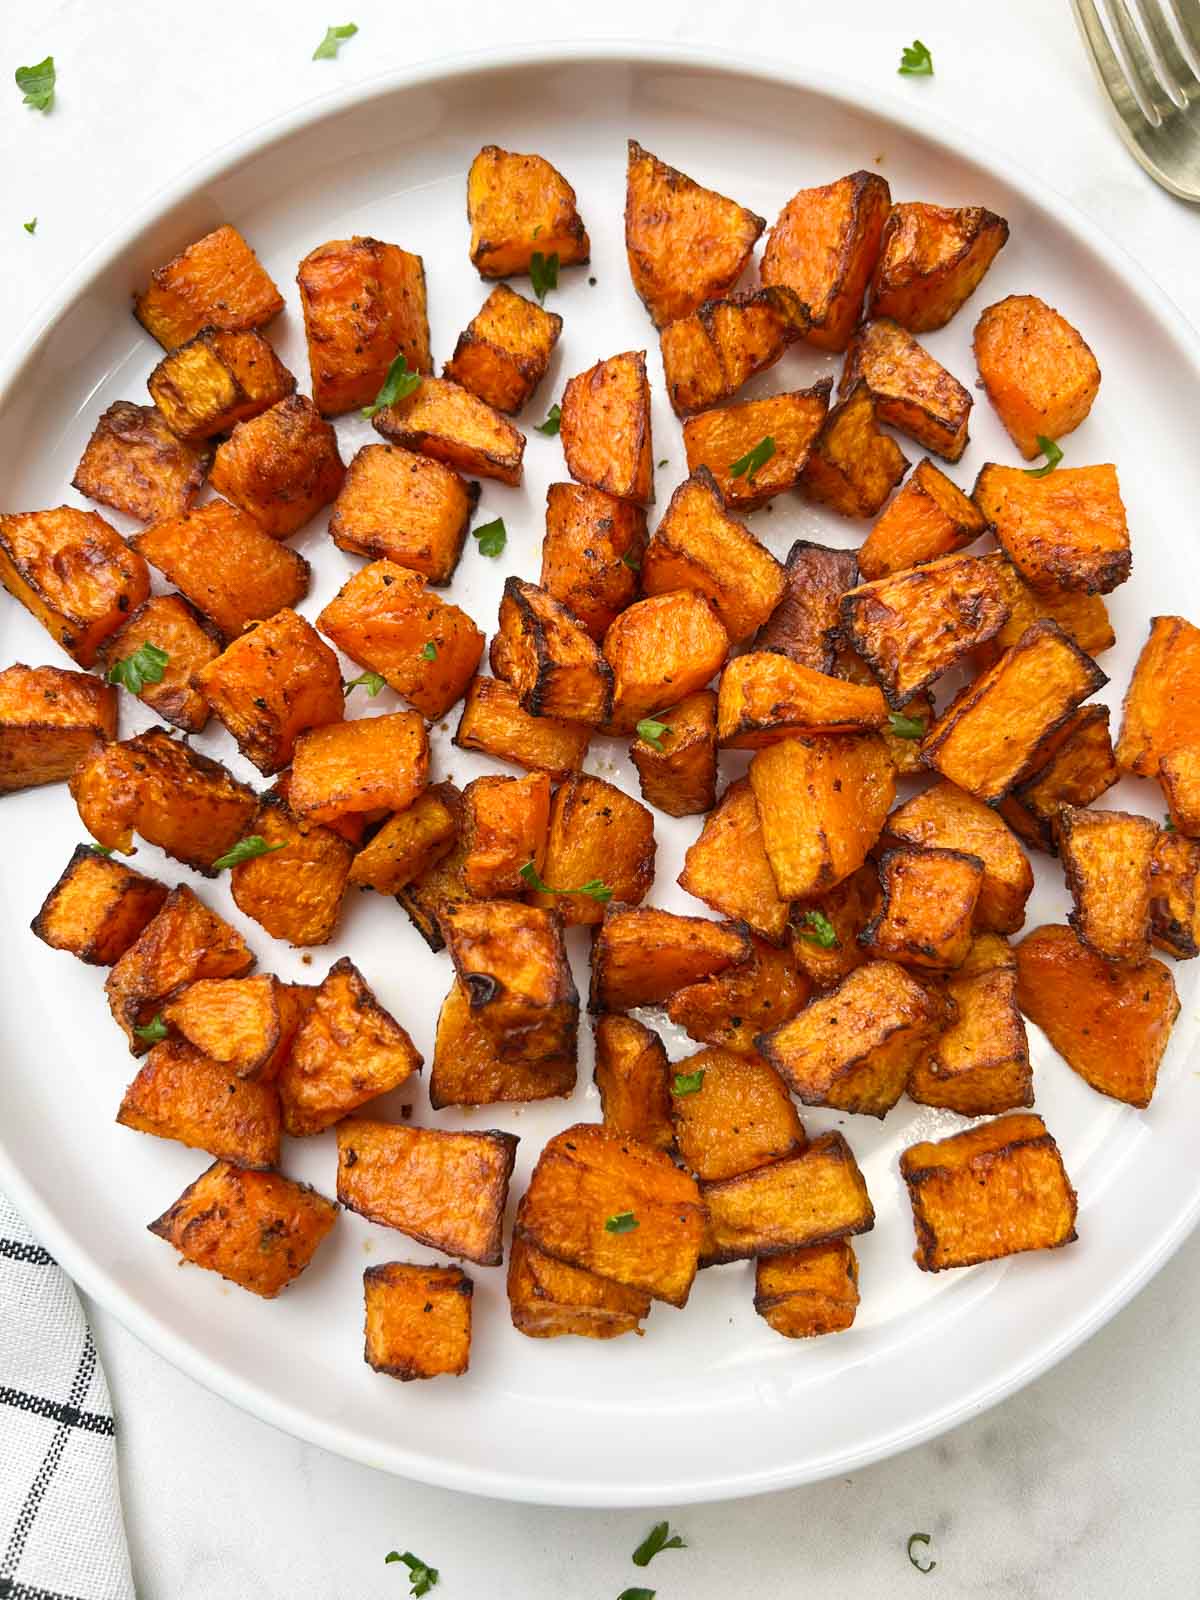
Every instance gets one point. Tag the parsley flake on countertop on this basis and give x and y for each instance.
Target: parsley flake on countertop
(246, 849)
(398, 385)
(422, 1576)
(746, 466)
(620, 1222)
(919, 1538)
(595, 888)
(145, 665)
(334, 40)
(637, 1594)
(915, 61)
(1052, 454)
(492, 536)
(656, 1540)
(37, 84)
(816, 927)
(31, 225)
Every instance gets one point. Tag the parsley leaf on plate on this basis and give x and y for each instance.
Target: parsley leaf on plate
(620, 1222)
(372, 682)
(492, 536)
(543, 273)
(31, 225)
(37, 84)
(246, 849)
(919, 1538)
(152, 1031)
(145, 665)
(552, 423)
(1052, 454)
(905, 727)
(817, 929)
(333, 41)
(746, 466)
(595, 888)
(651, 730)
(398, 385)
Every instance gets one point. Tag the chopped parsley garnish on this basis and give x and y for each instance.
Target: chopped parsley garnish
(684, 1083)
(398, 385)
(595, 888)
(100, 849)
(919, 1538)
(620, 1222)
(372, 682)
(422, 1576)
(637, 1594)
(552, 423)
(492, 537)
(1168, 827)
(429, 651)
(817, 929)
(153, 1031)
(665, 462)
(631, 561)
(656, 1540)
(146, 665)
(1052, 454)
(915, 61)
(651, 730)
(905, 727)
(746, 466)
(333, 41)
(246, 850)
(543, 273)
(31, 225)
(37, 84)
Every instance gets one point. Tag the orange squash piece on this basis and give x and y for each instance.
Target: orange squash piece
(519, 206)
(511, 960)
(928, 910)
(931, 260)
(731, 1009)
(492, 721)
(708, 355)
(281, 467)
(592, 552)
(398, 506)
(605, 428)
(766, 697)
(980, 1064)
(505, 350)
(945, 817)
(930, 517)
(451, 424)
(97, 908)
(597, 833)
(409, 843)
(134, 463)
(245, 1024)
(217, 282)
(913, 392)
(1073, 765)
(814, 1196)
(633, 1076)
(806, 625)
(376, 762)
(1065, 531)
(825, 928)
(190, 643)
(824, 247)
(641, 955)
(294, 892)
(806, 1293)
(677, 766)
(1038, 372)
(853, 466)
(50, 719)
(725, 441)
(215, 380)
(1162, 703)
(468, 1070)
(1081, 616)
(418, 1320)
(660, 650)
(181, 1094)
(549, 658)
(1107, 858)
(1174, 896)
(548, 1299)
(739, 1118)
(727, 866)
(504, 824)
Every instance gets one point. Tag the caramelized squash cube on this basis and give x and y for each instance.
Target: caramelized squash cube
(373, 763)
(1065, 531)
(726, 438)
(505, 350)
(853, 467)
(548, 1299)
(677, 769)
(642, 955)
(633, 1076)
(409, 843)
(592, 551)
(520, 206)
(913, 392)
(947, 818)
(1174, 897)
(398, 506)
(1179, 779)
(181, 1094)
(511, 960)
(739, 1118)
(1081, 616)
(824, 246)
(469, 1071)
(928, 911)
(281, 467)
(190, 643)
(727, 866)
(504, 824)
(1107, 858)
(731, 1009)
(597, 832)
(765, 697)
(1073, 765)
(549, 658)
(492, 721)
(825, 929)
(97, 908)
(217, 282)
(661, 650)
(1038, 372)
(930, 517)
(135, 463)
(441, 884)
(418, 1320)
(442, 420)
(980, 1065)
(806, 1293)
(931, 260)
(605, 428)
(1162, 703)
(295, 893)
(246, 1024)
(709, 354)
(212, 382)
(806, 624)
(815, 1196)
(50, 719)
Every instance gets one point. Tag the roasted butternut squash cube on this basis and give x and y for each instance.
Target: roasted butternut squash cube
(418, 1320)
(765, 697)
(183, 941)
(853, 466)
(215, 380)
(928, 911)
(930, 517)
(854, 1047)
(50, 719)
(685, 244)
(1065, 531)
(444, 883)
(134, 463)
(814, 1196)
(757, 449)
(492, 721)
(182, 1094)
(511, 960)
(246, 1024)
(677, 767)
(295, 893)
(824, 246)
(947, 818)
(1162, 703)
(519, 206)
(548, 1299)
(1038, 372)
(641, 955)
(731, 1009)
(601, 1201)
(980, 1064)
(549, 658)
(217, 282)
(1073, 765)
(442, 420)
(364, 305)
(710, 353)
(991, 1191)
(1082, 617)
(1107, 858)
(405, 508)
(806, 1293)
(386, 619)
(633, 1076)
(504, 352)
(727, 866)
(1174, 896)
(605, 428)
(661, 650)
(74, 573)
(188, 641)
(697, 545)
(257, 1229)
(822, 803)
(739, 1118)
(186, 803)
(410, 842)
(1179, 779)
(931, 260)
(97, 908)
(1110, 1021)
(281, 467)
(598, 834)
(806, 624)
(469, 1071)
(825, 928)
(373, 763)
(913, 392)
(445, 1190)
(504, 823)
(592, 552)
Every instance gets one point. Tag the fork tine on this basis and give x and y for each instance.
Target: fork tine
(1139, 69)
(1187, 31)
(1110, 71)
(1173, 71)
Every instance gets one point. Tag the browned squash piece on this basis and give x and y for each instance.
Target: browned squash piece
(373, 763)
(947, 818)
(641, 955)
(295, 892)
(74, 573)
(445, 1190)
(930, 517)
(257, 1229)
(1065, 531)
(184, 941)
(738, 1117)
(987, 739)
(386, 619)
(605, 428)
(709, 354)
(427, 895)
(697, 545)
(928, 911)
(281, 466)
(980, 1064)
(549, 658)
(418, 1320)
(766, 697)
(603, 1202)
(181, 1094)
(1039, 374)
(1107, 857)
(548, 1299)
(217, 282)
(449, 423)
(757, 449)
(661, 650)
(134, 463)
(727, 866)
(806, 1293)
(161, 788)
(1082, 617)
(224, 563)
(1073, 765)
(989, 1192)
(814, 1196)
(504, 825)
(913, 392)
(731, 1009)
(404, 508)
(822, 802)
(50, 719)
(806, 624)
(598, 834)
(677, 767)
(931, 260)
(1174, 896)
(592, 552)
(1110, 1021)
(409, 843)
(520, 206)
(853, 467)
(504, 352)
(854, 1047)
(1162, 703)
(1179, 779)
(824, 246)
(685, 244)
(825, 930)
(492, 721)
(190, 643)
(246, 1024)
(215, 380)
(468, 1070)
(364, 305)
(97, 908)
(511, 960)
(634, 1077)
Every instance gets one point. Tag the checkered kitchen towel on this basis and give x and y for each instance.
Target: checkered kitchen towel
(61, 1535)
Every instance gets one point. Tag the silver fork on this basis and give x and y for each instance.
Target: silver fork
(1150, 70)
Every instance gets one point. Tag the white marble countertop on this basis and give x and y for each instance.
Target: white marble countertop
(1083, 1486)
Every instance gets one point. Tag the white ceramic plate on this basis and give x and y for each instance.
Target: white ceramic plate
(710, 1403)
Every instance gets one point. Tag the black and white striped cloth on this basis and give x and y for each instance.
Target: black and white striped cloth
(61, 1534)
